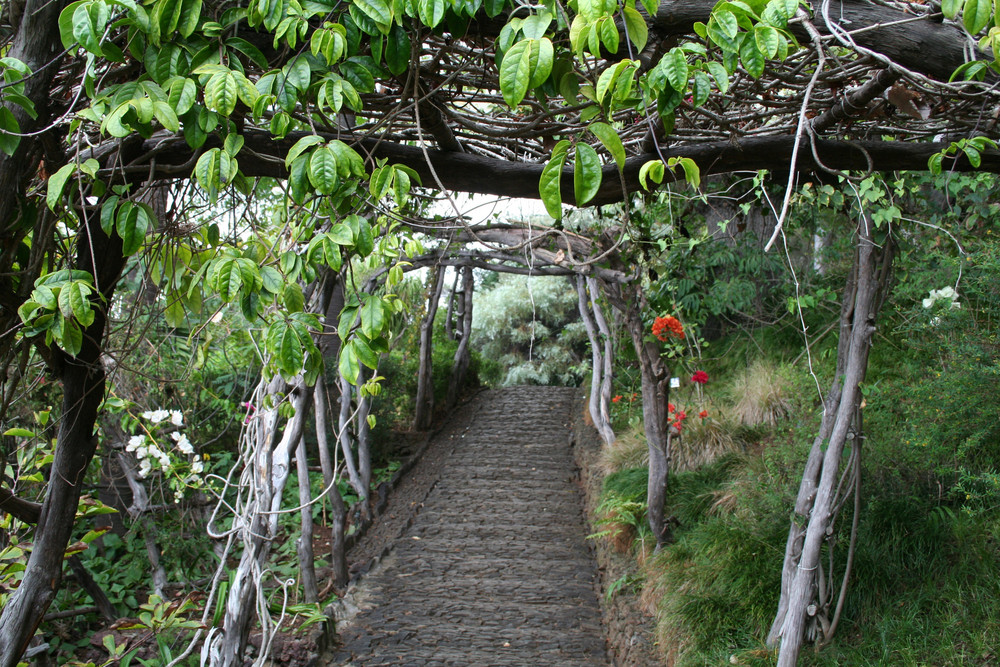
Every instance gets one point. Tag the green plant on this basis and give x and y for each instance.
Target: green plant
(625, 520)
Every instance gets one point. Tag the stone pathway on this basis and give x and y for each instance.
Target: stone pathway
(494, 569)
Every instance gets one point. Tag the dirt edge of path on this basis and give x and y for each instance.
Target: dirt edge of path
(629, 628)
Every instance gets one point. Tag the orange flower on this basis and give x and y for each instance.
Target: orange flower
(665, 327)
(616, 398)
(703, 414)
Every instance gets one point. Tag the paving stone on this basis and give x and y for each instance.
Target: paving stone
(494, 569)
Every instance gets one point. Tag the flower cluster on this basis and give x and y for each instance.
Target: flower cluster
(703, 414)
(666, 327)
(157, 416)
(146, 452)
(699, 377)
(678, 417)
(946, 295)
(151, 453)
(619, 397)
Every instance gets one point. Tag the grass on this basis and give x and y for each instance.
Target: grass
(925, 586)
(761, 395)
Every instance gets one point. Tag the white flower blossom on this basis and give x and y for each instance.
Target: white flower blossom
(135, 442)
(197, 466)
(144, 467)
(176, 418)
(156, 416)
(183, 444)
(945, 294)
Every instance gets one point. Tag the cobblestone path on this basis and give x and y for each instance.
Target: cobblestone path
(494, 569)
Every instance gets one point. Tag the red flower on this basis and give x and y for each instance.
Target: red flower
(703, 414)
(616, 398)
(670, 407)
(665, 327)
(681, 416)
(701, 377)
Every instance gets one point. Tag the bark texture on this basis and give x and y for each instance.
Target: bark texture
(424, 412)
(817, 501)
(463, 331)
(600, 378)
(83, 382)
(655, 380)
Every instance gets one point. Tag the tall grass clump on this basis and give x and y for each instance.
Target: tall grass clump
(761, 395)
(628, 451)
(702, 441)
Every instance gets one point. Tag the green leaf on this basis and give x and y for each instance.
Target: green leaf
(550, 184)
(751, 57)
(227, 279)
(701, 89)
(976, 14)
(271, 279)
(181, 95)
(676, 67)
(372, 317)
(9, 130)
(397, 50)
(19, 433)
(293, 298)
(221, 93)
(950, 8)
(132, 223)
(349, 367)
(190, 15)
(638, 31)
(586, 174)
(288, 351)
(301, 146)
(377, 10)
(364, 352)
(66, 17)
(609, 137)
(323, 170)
(767, 39)
(515, 72)
(720, 74)
(652, 170)
(72, 338)
(722, 29)
(165, 114)
(542, 65)
(57, 183)
(361, 231)
(430, 12)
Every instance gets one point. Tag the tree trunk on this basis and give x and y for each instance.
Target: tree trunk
(450, 329)
(609, 350)
(304, 548)
(344, 423)
(137, 510)
(655, 398)
(96, 593)
(268, 474)
(812, 522)
(601, 423)
(463, 356)
(83, 382)
(424, 412)
(338, 512)
(364, 440)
